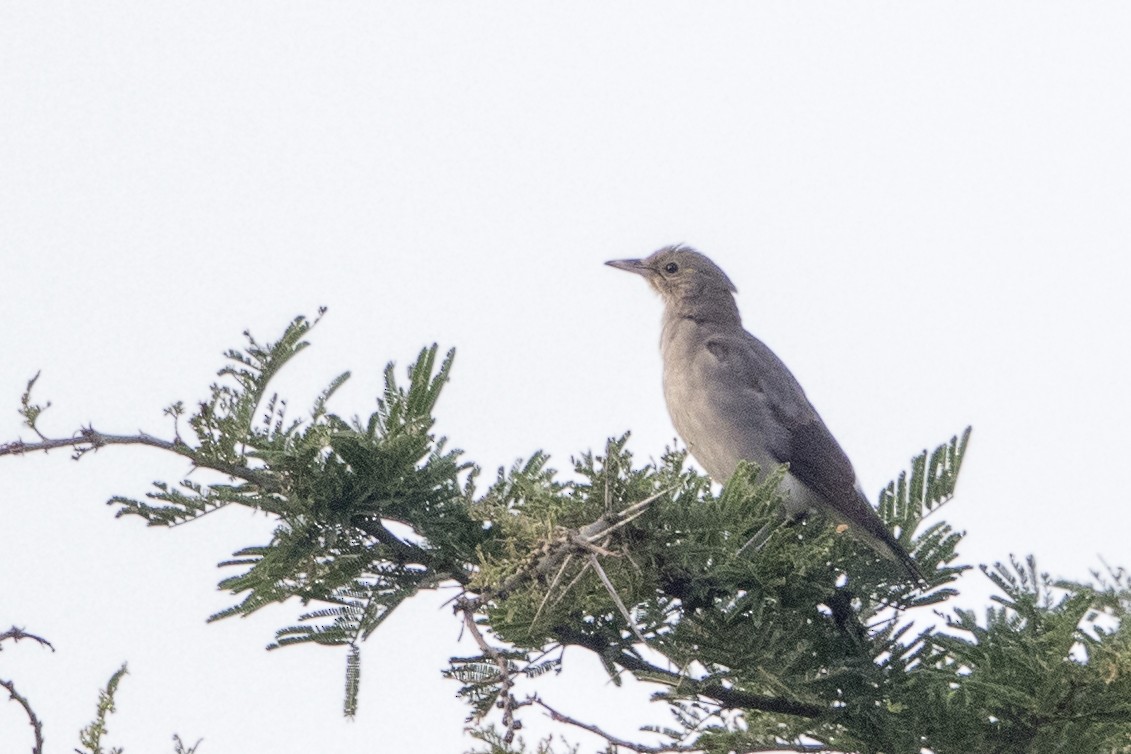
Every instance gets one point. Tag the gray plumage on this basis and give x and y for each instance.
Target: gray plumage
(731, 399)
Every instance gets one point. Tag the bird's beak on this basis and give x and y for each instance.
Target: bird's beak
(629, 265)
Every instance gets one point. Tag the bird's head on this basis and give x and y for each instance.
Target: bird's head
(679, 273)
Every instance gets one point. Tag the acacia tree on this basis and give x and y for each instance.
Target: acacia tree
(811, 643)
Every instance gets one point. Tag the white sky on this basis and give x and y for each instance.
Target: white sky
(926, 208)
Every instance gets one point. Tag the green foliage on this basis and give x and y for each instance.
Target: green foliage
(31, 411)
(337, 488)
(1046, 670)
(480, 681)
(353, 680)
(496, 743)
(809, 641)
(812, 626)
(90, 737)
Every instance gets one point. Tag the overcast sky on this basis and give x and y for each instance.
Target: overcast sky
(926, 208)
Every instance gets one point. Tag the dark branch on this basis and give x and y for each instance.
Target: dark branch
(615, 741)
(726, 697)
(406, 552)
(36, 725)
(88, 438)
(506, 675)
(16, 634)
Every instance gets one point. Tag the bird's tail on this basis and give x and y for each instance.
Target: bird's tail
(885, 543)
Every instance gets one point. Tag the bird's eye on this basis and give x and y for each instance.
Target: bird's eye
(671, 268)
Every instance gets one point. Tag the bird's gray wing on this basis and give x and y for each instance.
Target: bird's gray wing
(768, 410)
(793, 433)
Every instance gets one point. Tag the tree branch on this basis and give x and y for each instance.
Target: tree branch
(506, 682)
(16, 634)
(558, 717)
(724, 696)
(93, 439)
(406, 552)
(88, 439)
(549, 557)
(34, 721)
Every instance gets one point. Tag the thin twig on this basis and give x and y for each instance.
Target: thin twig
(727, 697)
(619, 524)
(591, 547)
(16, 634)
(611, 521)
(550, 589)
(608, 489)
(572, 583)
(614, 740)
(88, 439)
(557, 716)
(36, 725)
(616, 597)
(931, 511)
(506, 680)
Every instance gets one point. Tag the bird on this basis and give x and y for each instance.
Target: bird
(732, 399)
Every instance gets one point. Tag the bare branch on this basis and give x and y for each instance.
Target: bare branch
(614, 740)
(34, 721)
(16, 634)
(725, 696)
(557, 716)
(506, 680)
(88, 439)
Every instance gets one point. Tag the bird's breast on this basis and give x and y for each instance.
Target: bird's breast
(720, 421)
